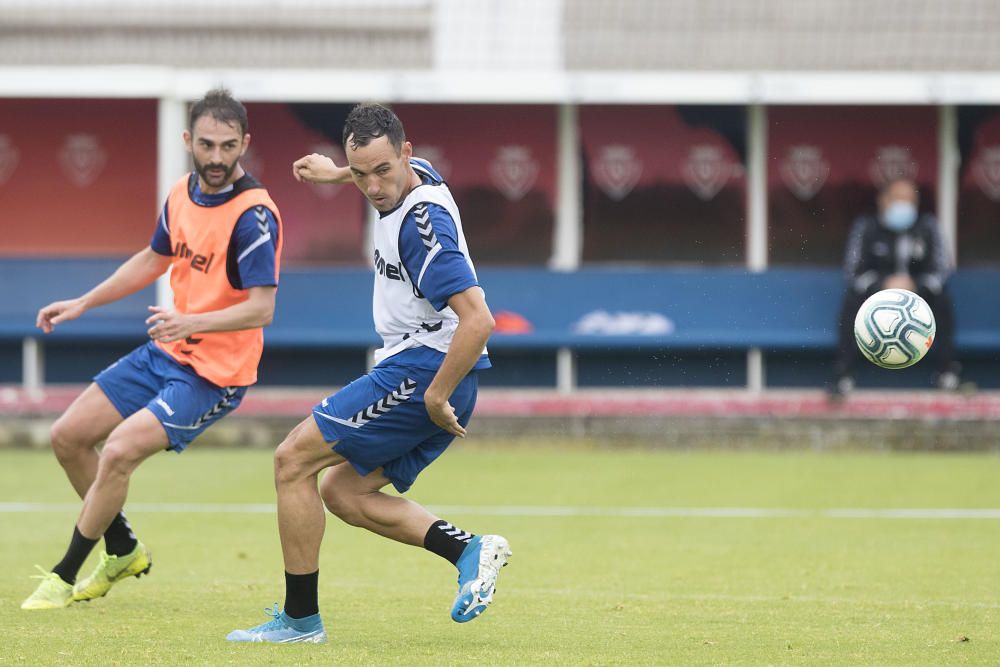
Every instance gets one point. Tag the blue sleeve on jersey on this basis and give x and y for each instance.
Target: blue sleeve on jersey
(160, 243)
(428, 229)
(256, 245)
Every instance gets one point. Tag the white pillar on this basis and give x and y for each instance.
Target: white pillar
(567, 237)
(565, 370)
(947, 179)
(171, 163)
(755, 369)
(32, 364)
(756, 232)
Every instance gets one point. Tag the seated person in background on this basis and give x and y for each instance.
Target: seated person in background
(897, 248)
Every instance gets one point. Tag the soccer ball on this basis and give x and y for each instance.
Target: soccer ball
(894, 328)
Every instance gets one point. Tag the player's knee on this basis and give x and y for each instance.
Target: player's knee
(66, 443)
(118, 457)
(288, 462)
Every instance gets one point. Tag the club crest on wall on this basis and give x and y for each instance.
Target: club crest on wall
(804, 171)
(616, 170)
(706, 171)
(514, 171)
(82, 159)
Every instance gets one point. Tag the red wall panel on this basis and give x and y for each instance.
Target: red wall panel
(77, 177)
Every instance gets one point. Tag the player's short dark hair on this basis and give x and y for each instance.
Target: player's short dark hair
(220, 104)
(371, 121)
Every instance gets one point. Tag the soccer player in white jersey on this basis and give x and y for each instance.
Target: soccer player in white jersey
(388, 425)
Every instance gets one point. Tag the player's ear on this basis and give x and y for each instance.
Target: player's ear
(407, 151)
(187, 140)
(246, 144)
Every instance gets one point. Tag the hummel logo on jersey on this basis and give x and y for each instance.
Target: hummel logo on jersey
(390, 271)
(401, 394)
(424, 226)
(198, 262)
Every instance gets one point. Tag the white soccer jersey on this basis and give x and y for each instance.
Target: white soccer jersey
(419, 247)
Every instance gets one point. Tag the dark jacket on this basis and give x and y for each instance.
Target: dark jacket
(875, 252)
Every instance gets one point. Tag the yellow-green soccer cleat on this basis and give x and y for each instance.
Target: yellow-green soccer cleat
(52, 592)
(111, 570)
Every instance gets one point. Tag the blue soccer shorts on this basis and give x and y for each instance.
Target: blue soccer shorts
(379, 421)
(184, 402)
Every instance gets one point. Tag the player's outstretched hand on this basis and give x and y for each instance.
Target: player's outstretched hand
(169, 325)
(443, 415)
(59, 311)
(316, 168)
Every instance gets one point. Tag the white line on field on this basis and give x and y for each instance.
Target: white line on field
(623, 596)
(749, 599)
(559, 511)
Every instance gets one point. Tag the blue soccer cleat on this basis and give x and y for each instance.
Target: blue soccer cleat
(282, 629)
(478, 568)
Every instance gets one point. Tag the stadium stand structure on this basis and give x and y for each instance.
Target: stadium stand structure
(787, 35)
(256, 33)
(644, 35)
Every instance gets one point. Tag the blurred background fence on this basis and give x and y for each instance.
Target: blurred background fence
(656, 193)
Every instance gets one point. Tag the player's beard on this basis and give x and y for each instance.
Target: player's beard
(212, 180)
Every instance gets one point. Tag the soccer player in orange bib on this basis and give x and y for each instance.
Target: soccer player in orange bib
(220, 233)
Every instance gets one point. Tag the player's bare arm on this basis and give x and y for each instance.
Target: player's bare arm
(475, 323)
(137, 272)
(168, 325)
(316, 168)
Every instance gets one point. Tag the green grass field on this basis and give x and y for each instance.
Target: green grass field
(594, 586)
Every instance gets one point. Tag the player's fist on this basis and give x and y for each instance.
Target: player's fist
(59, 311)
(316, 168)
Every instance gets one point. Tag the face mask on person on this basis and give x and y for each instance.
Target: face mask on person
(900, 216)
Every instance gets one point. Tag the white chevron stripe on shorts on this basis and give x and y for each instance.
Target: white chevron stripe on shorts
(228, 393)
(401, 394)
